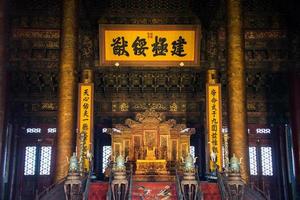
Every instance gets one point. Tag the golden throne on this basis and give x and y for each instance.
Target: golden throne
(150, 142)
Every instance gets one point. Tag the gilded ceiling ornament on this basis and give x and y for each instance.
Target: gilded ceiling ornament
(150, 114)
(157, 106)
(124, 107)
(114, 107)
(173, 107)
(139, 106)
(35, 34)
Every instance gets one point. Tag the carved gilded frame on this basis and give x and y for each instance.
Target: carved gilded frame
(103, 62)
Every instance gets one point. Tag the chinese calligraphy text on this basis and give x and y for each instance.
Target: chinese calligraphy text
(85, 120)
(214, 125)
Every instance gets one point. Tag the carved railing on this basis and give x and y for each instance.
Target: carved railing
(178, 187)
(85, 194)
(265, 192)
(56, 190)
(109, 192)
(51, 188)
(222, 187)
(250, 190)
(253, 192)
(199, 192)
(130, 182)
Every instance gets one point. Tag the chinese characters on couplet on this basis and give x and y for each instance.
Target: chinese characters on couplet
(85, 108)
(214, 122)
(84, 124)
(139, 46)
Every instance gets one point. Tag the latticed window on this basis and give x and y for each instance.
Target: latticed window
(33, 130)
(45, 162)
(30, 160)
(266, 161)
(264, 155)
(192, 151)
(263, 131)
(223, 156)
(253, 160)
(51, 130)
(105, 158)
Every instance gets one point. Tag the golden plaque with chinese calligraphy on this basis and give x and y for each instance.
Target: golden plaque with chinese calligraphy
(149, 45)
(214, 124)
(85, 125)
